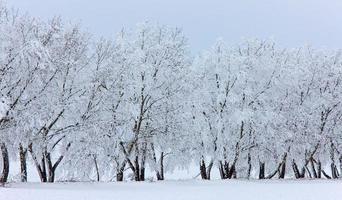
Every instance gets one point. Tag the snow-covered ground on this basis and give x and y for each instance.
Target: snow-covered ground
(177, 190)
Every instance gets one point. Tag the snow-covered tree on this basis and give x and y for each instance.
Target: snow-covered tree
(102, 108)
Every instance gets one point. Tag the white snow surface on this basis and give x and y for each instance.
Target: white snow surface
(178, 190)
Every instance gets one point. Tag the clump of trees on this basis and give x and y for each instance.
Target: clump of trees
(93, 109)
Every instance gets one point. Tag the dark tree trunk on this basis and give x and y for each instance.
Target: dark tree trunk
(23, 165)
(159, 165)
(119, 176)
(298, 173)
(231, 172)
(333, 167)
(96, 169)
(160, 172)
(282, 166)
(334, 172)
(296, 170)
(261, 170)
(51, 177)
(39, 166)
(234, 175)
(282, 170)
(226, 171)
(249, 162)
(42, 171)
(137, 169)
(46, 169)
(142, 165)
(319, 169)
(162, 166)
(44, 176)
(5, 163)
(50, 169)
(221, 169)
(142, 174)
(120, 172)
(210, 166)
(313, 168)
(160, 176)
(203, 170)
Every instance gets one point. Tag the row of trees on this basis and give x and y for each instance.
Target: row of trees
(111, 108)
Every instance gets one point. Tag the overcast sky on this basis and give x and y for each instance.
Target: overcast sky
(289, 22)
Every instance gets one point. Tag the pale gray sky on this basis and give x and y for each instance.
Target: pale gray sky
(289, 22)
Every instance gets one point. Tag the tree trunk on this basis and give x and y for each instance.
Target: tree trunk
(221, 169)
(160, 176)
(42, 171)
(282, 166)
(159, 165)
(96, 169)
(334, 172)
(319, 169)
(333, 167)
(282, 170)
(210, 166)
(50, 169)
(232, 172)
(23, 165)
(226, 171)
(51, 173)
(295, 170)
(39, 166)
(142, 165)
(51, 177)
(313, 168)
(5, 163)
(249, 162)
(261, 170)
(203, 170)
(142, 173)
(119, 176)
(160, 172)
(299, 174)
(120, 172)
(137, 169)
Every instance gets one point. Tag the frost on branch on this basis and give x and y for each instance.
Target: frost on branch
(101, 110)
